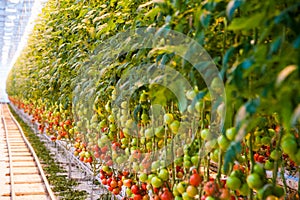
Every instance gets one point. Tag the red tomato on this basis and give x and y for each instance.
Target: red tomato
(135, 189)
(137, 197)
(195, 179)
(166, 195)
(210, 188)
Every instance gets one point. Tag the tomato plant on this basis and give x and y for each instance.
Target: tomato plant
(255, 47)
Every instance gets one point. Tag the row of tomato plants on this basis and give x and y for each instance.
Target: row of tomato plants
(126, 160)
(255, 46)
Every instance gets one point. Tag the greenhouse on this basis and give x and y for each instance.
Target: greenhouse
(150, 100)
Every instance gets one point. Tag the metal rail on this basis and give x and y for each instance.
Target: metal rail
(11, 174)
(36, 160)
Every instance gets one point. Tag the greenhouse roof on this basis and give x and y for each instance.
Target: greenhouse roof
(15, 16)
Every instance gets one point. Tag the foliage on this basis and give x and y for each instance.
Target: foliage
(255, 45)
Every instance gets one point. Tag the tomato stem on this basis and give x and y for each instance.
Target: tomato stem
(283, 179)
(275, 171)
(252, 162)
(219, 167)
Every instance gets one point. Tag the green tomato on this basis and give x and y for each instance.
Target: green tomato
(269, 165)
(289, 146)
(265, 191)
(134, 141)
(143, 140)
(288, 136)
(266, 140)
(275, 154)
(215, 155)
(144, 117)
(129, 123)
(195, 160)
(120, 160)
(178, 161)
(278, 191)
(191, 191)
(168, 118)
(143, 177)
(204, 133)
(111, 118)
(160, 132)
(155, 165)
(143, 97)
(199, 106)
(187, 164)
(163, 174)
(149, 145)
(178, 197)
(181, 187)
(125, 141)
(175, 191)
(128, 192)
(174, 126)
(112, 127)
(223, 142)
(259, 169)
(150, 176)
(185, 196)
(210, 198)
(149, 133)
(233, 183)
(254, 181)
(271, 132)
(156, 182)
(231, 133)
(244, 190)
(186, 157)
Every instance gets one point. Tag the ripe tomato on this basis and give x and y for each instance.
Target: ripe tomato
(166, 195)
(113, 184)
(195, 179)
(137, 197)
(135, 189)
(225, 194)
(127, 183)
(116, 191)
(210, 188)
(104, 181)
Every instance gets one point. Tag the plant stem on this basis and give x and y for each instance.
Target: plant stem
(275, 171)
(252, 162)
(283, 179)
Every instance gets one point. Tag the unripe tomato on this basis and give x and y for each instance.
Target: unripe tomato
(233, 183)
(254, 181)
(289, 146)
(191, 191)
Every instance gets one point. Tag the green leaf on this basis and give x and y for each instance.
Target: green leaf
(233, 150)
(152, 13)
(247, 23)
